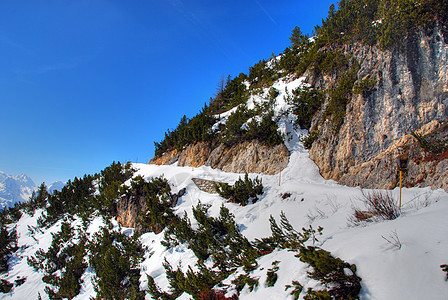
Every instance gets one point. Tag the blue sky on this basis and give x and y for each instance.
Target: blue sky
(86, 83)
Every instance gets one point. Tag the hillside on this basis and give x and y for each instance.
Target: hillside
(384, 251)
(267, 193)
(376, 91)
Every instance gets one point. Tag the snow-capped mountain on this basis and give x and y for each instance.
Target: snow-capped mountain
(15, 188)
(55, 186)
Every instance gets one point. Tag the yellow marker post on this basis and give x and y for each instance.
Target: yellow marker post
(402, 166)
(400, 189)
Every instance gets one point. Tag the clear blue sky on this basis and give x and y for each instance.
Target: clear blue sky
(84, 83)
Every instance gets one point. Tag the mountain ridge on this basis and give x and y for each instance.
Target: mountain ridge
(15, 189)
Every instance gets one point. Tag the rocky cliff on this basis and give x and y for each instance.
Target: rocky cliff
(395, 93)
(132, 205)
(246, 156)
(409, 93)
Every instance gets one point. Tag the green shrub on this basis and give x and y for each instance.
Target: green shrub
(340, 96)
(445, 269)
(158, 212)
(339, 277)
(333, 62)
(244, 279)
(116, 172)
(8, 245)
(79, 197)
(285, 236)
(192, 282)
(111, 187)
(11, 214)
(306, 103)
(63, 263)
(218, 239)
(234, 130)
(297, 289)
(76, 197)
(265, 131)
(188, 131)
(115, 258)
(273, 93)
(155, 292)
(318, 295)
(5, 286)
(261, 75)
(241, 192)
(271, 275)
(230, 94)
(310, 139)
(435, 146)
(365, 86)
(38, 200)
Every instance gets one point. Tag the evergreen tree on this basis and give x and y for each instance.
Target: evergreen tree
(115, 257)
(242, 191)
(38, 199)
(8, 245)
(63, 263)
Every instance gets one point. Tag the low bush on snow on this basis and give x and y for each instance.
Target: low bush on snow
(242, 192)
(379, 205)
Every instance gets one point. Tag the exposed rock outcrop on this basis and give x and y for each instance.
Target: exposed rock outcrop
(132, 205)
(205, 185)
(129, 207)
(410, 94)
(246, 156)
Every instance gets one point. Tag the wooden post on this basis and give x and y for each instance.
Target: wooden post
(280, 176)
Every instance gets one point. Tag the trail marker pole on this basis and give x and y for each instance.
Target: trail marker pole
(280, 177)
(402, 166)
(401, 174)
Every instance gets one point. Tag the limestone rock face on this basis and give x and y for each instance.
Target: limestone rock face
(131, 206)
(410, 94)
(205, 185)
(246, 156)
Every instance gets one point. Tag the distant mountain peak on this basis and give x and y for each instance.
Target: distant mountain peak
(15, 188)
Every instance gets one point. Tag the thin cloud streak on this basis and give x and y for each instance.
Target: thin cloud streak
(64, 66)
(266, 13)
(200, 27)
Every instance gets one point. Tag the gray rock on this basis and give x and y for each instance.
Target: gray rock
(410, 94)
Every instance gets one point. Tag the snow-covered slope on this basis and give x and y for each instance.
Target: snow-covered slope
(397, 259)
(14, 189)
(387, 272)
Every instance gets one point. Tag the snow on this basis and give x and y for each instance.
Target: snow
(388, 271)
(14, 188)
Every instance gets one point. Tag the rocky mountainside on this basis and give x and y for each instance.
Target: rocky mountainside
(409, 94)
(14, 189)
(357, 99)
(247, 156)
(373, 101)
